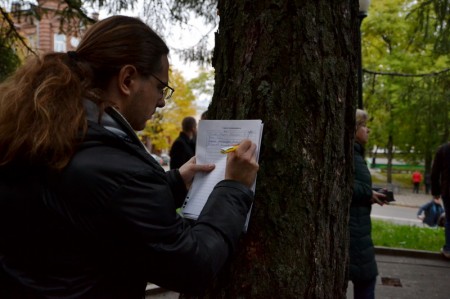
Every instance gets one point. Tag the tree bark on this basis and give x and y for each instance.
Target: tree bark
(293, 65)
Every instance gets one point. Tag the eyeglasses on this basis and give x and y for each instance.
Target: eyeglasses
(167, 91)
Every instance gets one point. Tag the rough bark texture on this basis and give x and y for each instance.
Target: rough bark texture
(293, 65)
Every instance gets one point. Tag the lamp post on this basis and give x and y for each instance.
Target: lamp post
(363, 7)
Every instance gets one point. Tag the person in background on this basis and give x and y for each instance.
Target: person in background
(431, 213)
(183, 148)
(427, 181)
(440, 187)
(363, 269)
(85, 211)
(204, 115)
(416, 180)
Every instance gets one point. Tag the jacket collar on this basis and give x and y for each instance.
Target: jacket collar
(112, 121)
(358, 147)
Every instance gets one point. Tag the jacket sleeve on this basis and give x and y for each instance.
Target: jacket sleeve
(177, 186)
(423, 208)
(172, 253)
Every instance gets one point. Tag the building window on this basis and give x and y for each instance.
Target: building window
(74, 42)
(59, 43)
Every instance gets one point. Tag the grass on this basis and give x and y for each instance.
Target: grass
(391, 235)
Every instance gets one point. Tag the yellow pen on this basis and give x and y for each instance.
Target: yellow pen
(229, 149)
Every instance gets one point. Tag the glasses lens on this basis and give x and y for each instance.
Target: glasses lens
(167, 93)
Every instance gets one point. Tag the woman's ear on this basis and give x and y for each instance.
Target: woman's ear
(127, 79)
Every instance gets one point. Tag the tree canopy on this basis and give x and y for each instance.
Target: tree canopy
(406, 74)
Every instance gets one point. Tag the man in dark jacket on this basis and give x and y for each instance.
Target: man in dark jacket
(440, 187)
(85, 211)
(183, 148)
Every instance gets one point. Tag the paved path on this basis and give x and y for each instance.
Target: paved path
(411, 199)
(410, 274)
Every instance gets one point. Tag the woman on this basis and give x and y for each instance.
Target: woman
(85, 211)
(363, 267)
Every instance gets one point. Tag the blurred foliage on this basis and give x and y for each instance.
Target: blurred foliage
(9, 59)
(406, 93)
(204, 82)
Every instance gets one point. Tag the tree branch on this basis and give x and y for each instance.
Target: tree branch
(12, 31)
(395, 74)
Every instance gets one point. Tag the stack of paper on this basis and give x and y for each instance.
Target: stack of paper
(212, 136)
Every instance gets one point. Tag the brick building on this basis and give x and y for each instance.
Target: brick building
(46, 34)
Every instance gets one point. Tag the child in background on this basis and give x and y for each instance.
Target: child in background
(431, 213)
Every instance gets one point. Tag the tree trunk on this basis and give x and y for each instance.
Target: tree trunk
(293, 65)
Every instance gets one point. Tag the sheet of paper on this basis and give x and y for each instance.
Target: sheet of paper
(212, 135)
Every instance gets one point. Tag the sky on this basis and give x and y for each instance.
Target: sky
(182, 37)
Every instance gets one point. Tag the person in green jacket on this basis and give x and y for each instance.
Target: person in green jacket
(363, 267)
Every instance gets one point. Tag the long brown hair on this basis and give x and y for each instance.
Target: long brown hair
(42, 116)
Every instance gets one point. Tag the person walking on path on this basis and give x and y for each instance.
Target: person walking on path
(416, 180)
(183, 148)
(440, 187)
(363, 266)
(85, 211)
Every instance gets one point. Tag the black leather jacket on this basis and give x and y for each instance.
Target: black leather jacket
(107, 224)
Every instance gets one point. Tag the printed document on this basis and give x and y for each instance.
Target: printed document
(212, 136)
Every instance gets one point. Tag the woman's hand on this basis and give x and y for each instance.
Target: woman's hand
(378, 198)
(241, 163)
(190, 168)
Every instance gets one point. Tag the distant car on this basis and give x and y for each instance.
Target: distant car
(166, 159)
(158, 159)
